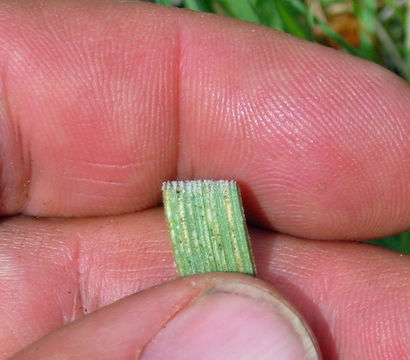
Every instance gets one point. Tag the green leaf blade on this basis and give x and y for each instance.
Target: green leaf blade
(199, 5)
(164, 2)
(240, 9)
(207, 227)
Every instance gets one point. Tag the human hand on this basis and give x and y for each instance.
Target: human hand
(101, 102)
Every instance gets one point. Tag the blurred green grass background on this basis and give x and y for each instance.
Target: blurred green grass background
(376, 30)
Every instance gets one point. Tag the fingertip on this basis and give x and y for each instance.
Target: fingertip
(191, 315)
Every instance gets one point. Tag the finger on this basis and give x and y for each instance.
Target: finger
(352, 294)
(52, 272)
(89, 107)
(211, 316)
(112, 104)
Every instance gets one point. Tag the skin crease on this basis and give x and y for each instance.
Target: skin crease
(101, 102)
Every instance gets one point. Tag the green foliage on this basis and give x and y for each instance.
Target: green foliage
(383, 32)
(164, 2)
(238, 9)
(366, 12)
(400, 242)
(199, 5)
(383, 26)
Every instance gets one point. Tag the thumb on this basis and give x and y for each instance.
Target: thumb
(209, 316)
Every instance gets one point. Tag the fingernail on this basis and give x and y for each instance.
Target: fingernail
(234, 321)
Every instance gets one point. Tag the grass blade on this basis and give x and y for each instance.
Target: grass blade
(292, 12)
(390, 47)
(407, 40)
(164, 2)
(268, 14)
(240, 9)
(366, 12)
(400, 242)
(336, 37)
(199, 5)
(207, 227)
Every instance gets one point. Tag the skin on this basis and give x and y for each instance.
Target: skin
(101, 102)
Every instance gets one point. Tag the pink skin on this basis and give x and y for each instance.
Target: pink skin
(97, 110)
(156, 324)
(352, 295)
